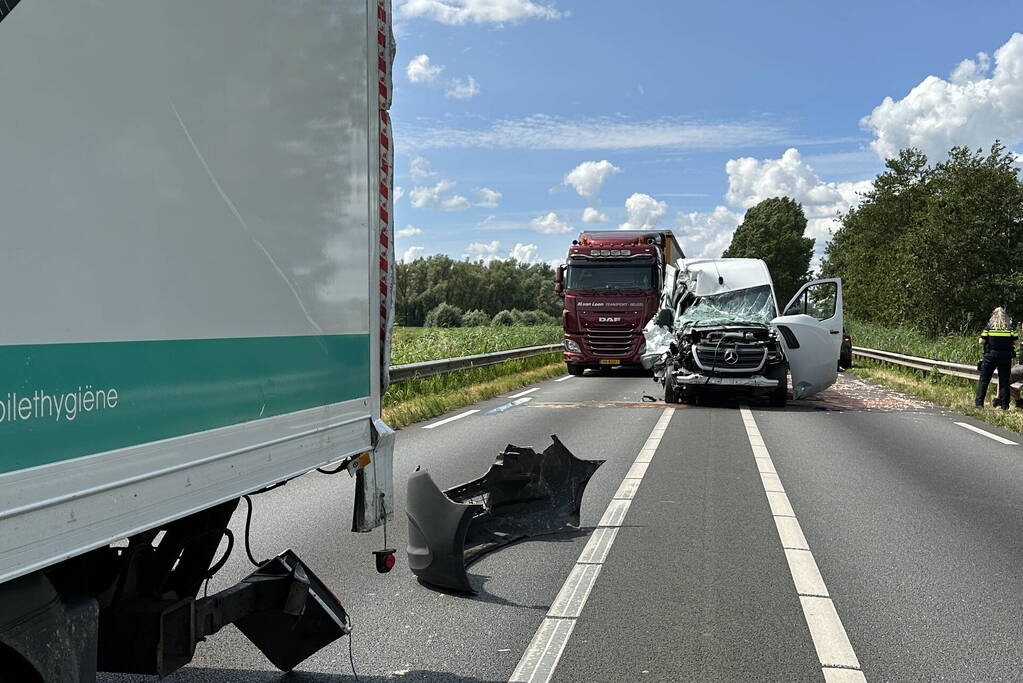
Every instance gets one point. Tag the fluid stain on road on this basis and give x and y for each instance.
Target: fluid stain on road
(854, 394)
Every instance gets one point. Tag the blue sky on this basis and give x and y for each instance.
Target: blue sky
(689, 112)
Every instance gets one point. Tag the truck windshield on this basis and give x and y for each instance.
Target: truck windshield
(752, 305)
(607, 276)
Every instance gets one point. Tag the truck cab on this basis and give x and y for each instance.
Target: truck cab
(611, 282)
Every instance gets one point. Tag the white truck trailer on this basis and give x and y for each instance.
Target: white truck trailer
(196, 277)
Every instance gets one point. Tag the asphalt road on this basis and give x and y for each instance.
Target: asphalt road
(912, 520)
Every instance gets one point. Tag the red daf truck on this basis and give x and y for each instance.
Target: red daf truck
(612, 282)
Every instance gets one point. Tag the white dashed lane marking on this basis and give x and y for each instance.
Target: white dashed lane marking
(541, 657)
(994, 437)
(452, 419)
(834, 651)
(523, 393)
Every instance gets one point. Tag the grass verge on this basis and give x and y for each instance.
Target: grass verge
(953, 393)
(423, 398)
(953, 347)
(416, 344)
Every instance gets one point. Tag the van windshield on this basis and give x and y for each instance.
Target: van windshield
(605, 277)
(752, 305)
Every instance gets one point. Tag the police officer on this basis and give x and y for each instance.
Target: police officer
(999, 343)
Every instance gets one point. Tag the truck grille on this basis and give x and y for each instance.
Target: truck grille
(716, 356)
(613, 342)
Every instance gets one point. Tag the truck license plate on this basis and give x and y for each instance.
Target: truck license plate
(609, 361)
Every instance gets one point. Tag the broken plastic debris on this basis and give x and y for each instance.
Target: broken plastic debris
(524, 494)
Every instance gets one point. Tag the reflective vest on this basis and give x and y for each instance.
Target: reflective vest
(999, 342)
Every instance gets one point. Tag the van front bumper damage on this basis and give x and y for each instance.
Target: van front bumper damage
(524, 494)
(695, 378)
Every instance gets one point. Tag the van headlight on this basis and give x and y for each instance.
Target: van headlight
(572, 347)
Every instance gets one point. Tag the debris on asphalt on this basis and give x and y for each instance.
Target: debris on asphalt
(524, 494)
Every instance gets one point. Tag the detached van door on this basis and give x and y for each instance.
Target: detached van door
(811, 332)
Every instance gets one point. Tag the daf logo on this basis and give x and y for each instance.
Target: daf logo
(609, 320)
(731, 356)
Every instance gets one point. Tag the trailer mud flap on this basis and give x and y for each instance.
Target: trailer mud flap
(524, 494)
(306, 617)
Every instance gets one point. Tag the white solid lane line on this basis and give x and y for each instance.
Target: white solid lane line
(995, 437)
(834, 651)
(562, 379)
(523, 393)
(452, 419)
(541, 656)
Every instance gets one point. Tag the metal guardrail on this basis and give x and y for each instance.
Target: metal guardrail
(917, 363)
(401, 373)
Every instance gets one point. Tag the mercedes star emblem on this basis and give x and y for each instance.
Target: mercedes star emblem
(731, 356)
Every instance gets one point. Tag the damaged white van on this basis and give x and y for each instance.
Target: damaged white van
(719, 330)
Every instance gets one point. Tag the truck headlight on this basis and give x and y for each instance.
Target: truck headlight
(572, 347)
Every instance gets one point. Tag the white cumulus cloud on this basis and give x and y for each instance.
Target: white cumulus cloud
(420, 70)
(706, 233)
(550, 224)
(457, 12)
(525, 253)
(419, 167)
(454, 203)
(432, 197)
(644, 212)
(409, 231)
(977, 105)
(591, 215)
(483, 251)
(750, 181)
(488, 198)
(399, 192)
(462, 88)
(412, 253)
(589, 176)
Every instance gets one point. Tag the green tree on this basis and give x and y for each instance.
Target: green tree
(503, 319)
(773, 231)
(476, 318)
(872, 249)
(444, 315)
(934, 247)
(500, 285)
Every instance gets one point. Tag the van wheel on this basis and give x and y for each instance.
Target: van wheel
(780, 396)
(670, 392)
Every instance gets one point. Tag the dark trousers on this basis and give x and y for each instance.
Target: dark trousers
(987, 369)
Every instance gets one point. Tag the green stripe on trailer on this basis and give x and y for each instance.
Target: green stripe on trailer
(63, 401)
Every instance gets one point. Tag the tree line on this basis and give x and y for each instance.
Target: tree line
(425, 283)
(934, 246)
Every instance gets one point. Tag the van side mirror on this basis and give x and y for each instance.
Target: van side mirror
(559, 274)
(558, 287)
(665, 318)
(793, 310)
